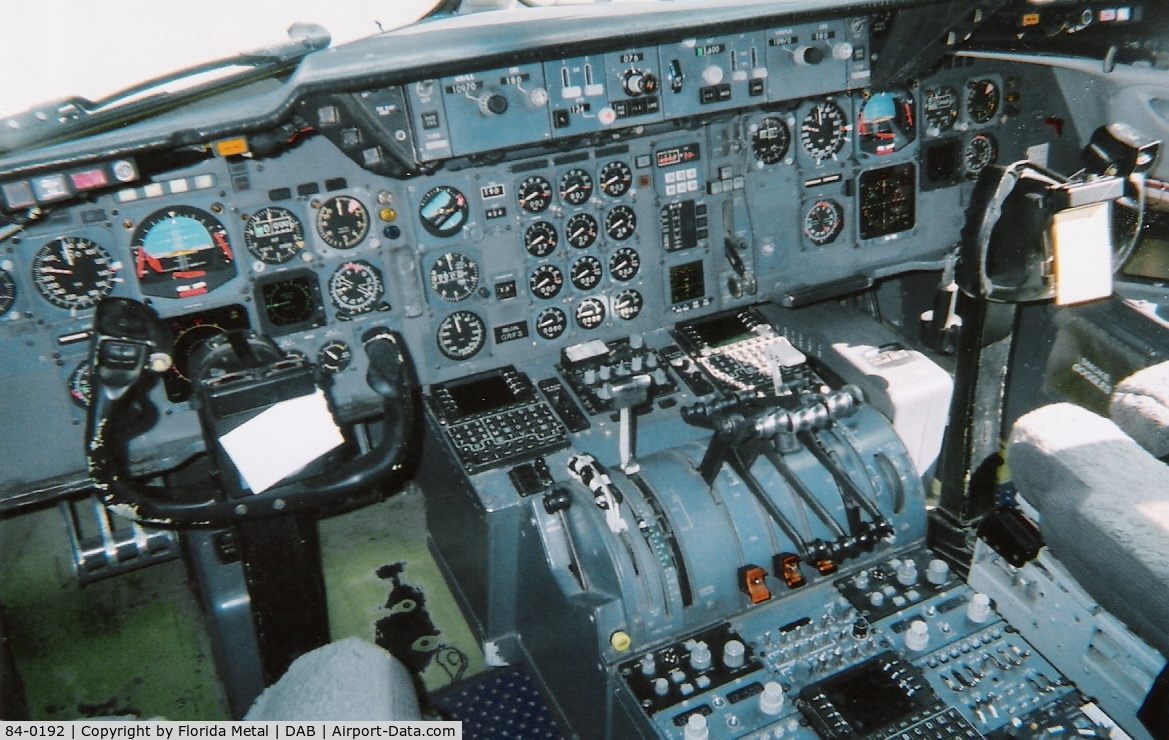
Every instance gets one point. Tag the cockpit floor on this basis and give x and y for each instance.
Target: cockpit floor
(136, 644)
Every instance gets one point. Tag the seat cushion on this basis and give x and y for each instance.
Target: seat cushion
(346, 680)
(1103, 503)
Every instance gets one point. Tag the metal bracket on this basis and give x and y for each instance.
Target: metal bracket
(104, 545)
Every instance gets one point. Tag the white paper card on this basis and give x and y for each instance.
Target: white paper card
(282, 440)
(1082, 246)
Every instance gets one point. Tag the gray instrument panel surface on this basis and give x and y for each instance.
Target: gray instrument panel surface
(711, 219)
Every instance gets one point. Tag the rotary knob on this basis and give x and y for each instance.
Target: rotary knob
(638, 82)
(809, 55)
(492, 104)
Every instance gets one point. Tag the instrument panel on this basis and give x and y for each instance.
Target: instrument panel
(550, 203)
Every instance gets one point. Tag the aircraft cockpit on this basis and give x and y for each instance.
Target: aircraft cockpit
(689, 369)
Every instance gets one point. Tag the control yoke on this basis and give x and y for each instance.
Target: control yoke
(130, 347)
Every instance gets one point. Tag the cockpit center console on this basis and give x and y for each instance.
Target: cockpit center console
(662, 467)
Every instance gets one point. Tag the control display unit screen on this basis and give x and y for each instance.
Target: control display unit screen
(721, 331)
(481, 395)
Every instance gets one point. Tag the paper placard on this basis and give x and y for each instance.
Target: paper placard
(281, 440)
(1081, 240)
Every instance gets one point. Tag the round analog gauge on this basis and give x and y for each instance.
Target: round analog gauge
(540, 239)
(81, 384)
(981, 151)
(356, 287)
(535, 194)
(576, 187)
(181, 252)
(627, 304)
(982, 100)
(546, 281)
(620, 223)
(342, 222)
(940, 107)
(616, 179)
(7, 292)
(443, 211)
(624, 264)
(289, 302)
(823, 130)
(770, 140)
(273, 235)
(454, 277)
(73, 273)
(461, 335)
(191, 331)
(335, 356)
(886, 122)
(590, 313)
(581, 230)
(823, 222)
(551, 323)
(586, 272)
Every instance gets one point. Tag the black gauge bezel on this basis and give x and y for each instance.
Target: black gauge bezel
(366, 299)
(887, 136)
(534, 194)
(771, 148)
(475, 342)
(586, 272)
(342, 229)
(615, 188)
(583, 239)
(989, 154)
(278, 247)
(551, 238)
(334, 356)
(188, 272)
(450, 218)
(620, 223)
(943, 118)
(81, 384)
(538, 290)
(638, 302)
(984, 97)
(632, 268)
(820, 237)
(453, 277)
(290, 302)
(82, 290)
(825, 137)
(555, 331)
(576, 187)
(887, 201)
(593, 320)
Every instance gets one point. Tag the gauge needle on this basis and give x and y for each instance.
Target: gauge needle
(56, 271)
